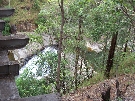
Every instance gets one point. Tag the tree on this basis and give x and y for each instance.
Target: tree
(106, 18)
(74, 32)
(61, 5)
(54, 26)
(109, 63)
(127, 7)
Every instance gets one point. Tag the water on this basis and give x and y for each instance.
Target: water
(32, 66)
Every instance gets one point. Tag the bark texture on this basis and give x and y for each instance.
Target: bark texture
(109, 63)
(60, 46)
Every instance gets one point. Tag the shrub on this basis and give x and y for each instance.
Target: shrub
(6, 30)
(29, 86)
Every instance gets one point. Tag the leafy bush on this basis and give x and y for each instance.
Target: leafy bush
(6, 30)
(36, 4)
(125, 64)
(35, 37)
(51, 58)
(47, 62)
(29, 86)
(41, 18)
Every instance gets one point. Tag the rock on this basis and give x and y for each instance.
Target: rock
(21, 55)
(105, 94)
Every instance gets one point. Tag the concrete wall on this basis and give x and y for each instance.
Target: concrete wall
(46, 97)
(8, 89)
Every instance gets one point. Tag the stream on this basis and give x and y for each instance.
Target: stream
(31, 64)
(33, 67)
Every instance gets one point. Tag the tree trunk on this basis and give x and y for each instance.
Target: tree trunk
(78, 50)
(76, 67)
(125, 48)
(80, 73)
(64, 78)
(105, 51)
(60, 46)
(111, 55)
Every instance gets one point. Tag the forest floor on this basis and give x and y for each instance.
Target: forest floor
(123, 90)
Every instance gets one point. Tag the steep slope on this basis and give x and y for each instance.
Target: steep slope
(123, 90)
(26, 12)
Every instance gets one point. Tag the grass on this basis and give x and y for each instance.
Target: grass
(21, 14)
(94, 80)
(123, 67)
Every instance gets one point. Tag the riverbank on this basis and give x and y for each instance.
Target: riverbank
(24, 54)
(32, 48)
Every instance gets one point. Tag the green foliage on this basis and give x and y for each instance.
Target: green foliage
(25, 11)
(48, 63)
(98, 19)
(41, 19)
(95, 60)
(35, 37)
(29, 86)
(95, 79)
(78, 8)
(106, 18)
(75, 11)
(36, 5)
(48, 20)
(125, 64)
(3, 3)
(6, 30)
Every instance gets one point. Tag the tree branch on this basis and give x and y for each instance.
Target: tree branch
(132, 4)
(59, 3)
(125, 12)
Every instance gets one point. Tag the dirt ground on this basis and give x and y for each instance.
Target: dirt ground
(123, 90)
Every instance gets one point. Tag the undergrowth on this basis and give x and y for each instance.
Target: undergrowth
(95, 79)
(24, 11)
(125, 66)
